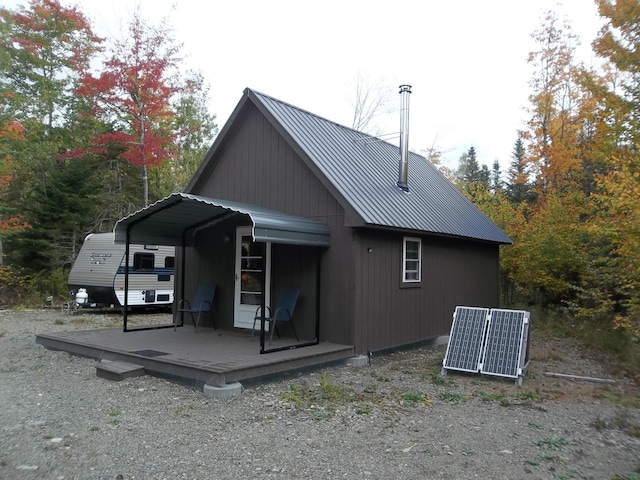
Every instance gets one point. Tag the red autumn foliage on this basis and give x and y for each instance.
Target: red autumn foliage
(134, 92)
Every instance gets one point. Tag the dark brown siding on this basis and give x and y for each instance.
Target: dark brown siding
(258, 167)
(454, 272)
(210, 258)
(362, 302)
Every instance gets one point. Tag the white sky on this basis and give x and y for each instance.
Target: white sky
(465, 59)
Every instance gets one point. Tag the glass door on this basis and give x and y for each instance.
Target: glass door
(250, 267)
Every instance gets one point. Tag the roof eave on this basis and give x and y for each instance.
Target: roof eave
(505, 241)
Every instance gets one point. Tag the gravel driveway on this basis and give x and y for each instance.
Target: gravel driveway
(395, 419)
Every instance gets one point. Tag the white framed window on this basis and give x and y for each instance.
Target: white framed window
(411, 260)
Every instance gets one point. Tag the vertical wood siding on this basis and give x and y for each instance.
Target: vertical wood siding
(363, 301)
(389, 314)
(258, 167)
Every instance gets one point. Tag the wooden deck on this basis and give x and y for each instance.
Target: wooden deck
(197, 357)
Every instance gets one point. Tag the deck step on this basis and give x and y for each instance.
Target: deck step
(118, 371)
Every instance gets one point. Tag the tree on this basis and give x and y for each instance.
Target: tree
(552, 253)
(11, 220)
(45, 48)
(618, 188)
(518, 189)
(371, 101)
(495, 179)
(134, 92)
(196, 129)
(468, 171)
(469, 174)
(552, 132)
(618, 42)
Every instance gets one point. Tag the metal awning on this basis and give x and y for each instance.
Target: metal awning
(166, 221)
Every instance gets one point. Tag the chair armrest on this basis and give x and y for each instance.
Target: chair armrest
(257, 315)
(182, 302)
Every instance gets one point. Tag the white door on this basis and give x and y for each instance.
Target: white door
(250, 267)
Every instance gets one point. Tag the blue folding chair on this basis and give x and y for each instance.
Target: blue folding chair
(282, 313)
(202, 303)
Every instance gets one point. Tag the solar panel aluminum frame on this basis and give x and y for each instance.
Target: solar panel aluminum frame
(503, 357)
(466, 340)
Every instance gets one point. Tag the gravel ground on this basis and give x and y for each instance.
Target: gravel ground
(395, 419)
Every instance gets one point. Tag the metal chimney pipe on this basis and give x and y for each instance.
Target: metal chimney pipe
(403, 174)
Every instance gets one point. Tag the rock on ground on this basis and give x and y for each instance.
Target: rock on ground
(395, 419)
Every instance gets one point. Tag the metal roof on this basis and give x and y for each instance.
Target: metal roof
(166, 221)
(364, 170)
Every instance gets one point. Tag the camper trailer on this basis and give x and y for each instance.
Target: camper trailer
(97, 277)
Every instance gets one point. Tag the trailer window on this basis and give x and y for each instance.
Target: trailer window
(169, 262)
(143, 261)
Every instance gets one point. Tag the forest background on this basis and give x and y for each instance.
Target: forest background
(94, 129)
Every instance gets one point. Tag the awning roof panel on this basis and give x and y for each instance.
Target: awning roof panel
(166, 221)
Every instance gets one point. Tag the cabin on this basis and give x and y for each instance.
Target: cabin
(381, 245)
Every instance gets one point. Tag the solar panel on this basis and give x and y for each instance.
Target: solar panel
(492, 342)
(506, 345)
(466, 339)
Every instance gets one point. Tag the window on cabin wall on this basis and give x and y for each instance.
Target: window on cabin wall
(411, 260)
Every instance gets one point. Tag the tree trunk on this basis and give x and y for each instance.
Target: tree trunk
(145, 184)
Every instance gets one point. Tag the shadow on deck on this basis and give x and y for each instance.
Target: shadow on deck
(197, 357)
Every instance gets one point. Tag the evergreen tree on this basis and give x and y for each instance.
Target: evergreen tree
(518, 188)
(468, 171)
(496, 182)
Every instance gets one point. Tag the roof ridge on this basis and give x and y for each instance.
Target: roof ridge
(351, 129)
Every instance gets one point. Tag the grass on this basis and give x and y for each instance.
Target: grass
(413, 399)
(440, 380)
(490, 396)
(380, 378)
(185, 409)
(630, 402)
(631, 476)
(294, 395)
(622, 420)
(452, 397)
(621, 350)
(552, 443)
(327, 392)
(549, 457)
(528, 396)
(332, 392)
(322, 415)
(114, 413)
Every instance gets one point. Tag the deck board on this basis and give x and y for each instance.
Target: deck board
(196, 357)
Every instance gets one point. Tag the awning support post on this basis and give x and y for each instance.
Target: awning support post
(263, 302)
(126, 279)
(318, 277)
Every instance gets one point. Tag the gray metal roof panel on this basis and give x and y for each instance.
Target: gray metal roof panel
(165, 222)
(364, 170)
